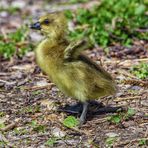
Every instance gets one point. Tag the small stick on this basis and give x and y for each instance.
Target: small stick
(129, 141)
(30, 136)
(127, 74)
(9, 127)
(37, 87)
(125, 99)
(137, 82)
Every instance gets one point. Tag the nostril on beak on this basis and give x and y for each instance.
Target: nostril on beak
(36, 26)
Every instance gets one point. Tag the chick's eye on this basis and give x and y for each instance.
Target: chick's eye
(46, 21)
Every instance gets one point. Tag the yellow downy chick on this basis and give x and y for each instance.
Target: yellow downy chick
(74, 74)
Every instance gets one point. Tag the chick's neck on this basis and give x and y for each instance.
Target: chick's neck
(53, 46)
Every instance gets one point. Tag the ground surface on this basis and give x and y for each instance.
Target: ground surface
(28, 100)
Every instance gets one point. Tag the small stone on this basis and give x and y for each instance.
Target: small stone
(2, 84)
(112, 134)
(128, 124)
(42, 83)
(4, 14)
(58, 133)
(135, 88)
(2, 96)
(144, 103)
(18, 4)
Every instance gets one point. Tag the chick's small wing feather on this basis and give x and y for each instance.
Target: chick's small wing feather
(74, 49)
(73, 53)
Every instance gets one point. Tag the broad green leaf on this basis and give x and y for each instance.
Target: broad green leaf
(70, 122)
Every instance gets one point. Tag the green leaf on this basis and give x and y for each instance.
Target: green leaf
(68, 14)
(70, 122)
(110, 141)
(131, 112)
(2, 125)
(2, 114)
(140, 9)
(141, 70)
(51, 141)
(142, 142)
(33, 123)
(119, 18)
(116, 119)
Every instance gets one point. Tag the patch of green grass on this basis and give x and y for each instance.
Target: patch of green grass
(141, 70)
(121, 116)
(15, 43)
(30, 109)
(110, 141)
(77, 1)
(2, 114)
(37, 92)
(115, 118)
(143, 142)
(111, 22)
(11, 10)
(3, 144)
(51, 141)
(130, 112)
(21, 131)
(37, 127)
(70, 122)
(2, 125)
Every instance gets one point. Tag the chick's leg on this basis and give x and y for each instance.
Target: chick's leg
(84, 112)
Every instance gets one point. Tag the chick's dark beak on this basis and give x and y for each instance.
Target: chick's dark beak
(36, 26)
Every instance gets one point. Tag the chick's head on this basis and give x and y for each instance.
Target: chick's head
(52, 25)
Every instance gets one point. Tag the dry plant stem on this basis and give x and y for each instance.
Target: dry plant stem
(31, 136)
(135, 60)
(38, 87)
(9, 127)
(125, 99)
(3, 81)
(128, 142)
(126, 74)
(72, 6)
(78, 130)
(136, 82)
(4, 74)
(42, 76)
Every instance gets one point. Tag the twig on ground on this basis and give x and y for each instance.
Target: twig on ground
(136, 82)
(125, 99)
(129, 141)
(9, 127)
(4, 74)
(30, 136)
(37, 87)
(123, 72)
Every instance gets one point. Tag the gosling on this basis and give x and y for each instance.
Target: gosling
(73, 73)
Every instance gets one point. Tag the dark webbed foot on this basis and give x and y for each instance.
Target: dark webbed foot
(84, 113)
(89, 109)
(78, 107)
